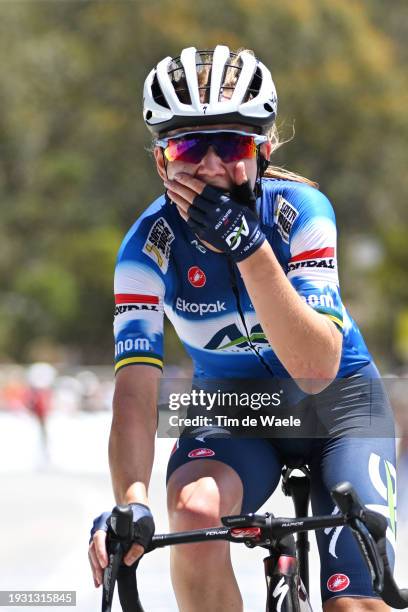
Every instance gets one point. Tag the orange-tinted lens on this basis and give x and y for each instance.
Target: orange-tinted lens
(228, 146)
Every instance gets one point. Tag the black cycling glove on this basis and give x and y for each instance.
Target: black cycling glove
(143, 524)
(227, 221)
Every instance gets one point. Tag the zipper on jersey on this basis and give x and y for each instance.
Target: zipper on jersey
(235, 291)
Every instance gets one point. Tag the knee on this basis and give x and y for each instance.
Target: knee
(199, 504)
(199, 495)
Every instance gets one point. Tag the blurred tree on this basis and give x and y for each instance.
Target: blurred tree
(75, 173)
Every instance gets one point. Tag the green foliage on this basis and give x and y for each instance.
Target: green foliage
(75, 173)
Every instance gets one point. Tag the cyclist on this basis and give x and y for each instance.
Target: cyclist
(242, 259)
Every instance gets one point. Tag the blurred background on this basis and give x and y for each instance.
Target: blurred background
(75, 172)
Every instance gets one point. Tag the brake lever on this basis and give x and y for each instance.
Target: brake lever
(119, 538)
(369, 550)
(359, 520)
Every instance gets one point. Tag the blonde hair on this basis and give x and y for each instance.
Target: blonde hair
(281, 173)
(229, 81)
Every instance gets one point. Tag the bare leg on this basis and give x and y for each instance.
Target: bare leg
(199, 493)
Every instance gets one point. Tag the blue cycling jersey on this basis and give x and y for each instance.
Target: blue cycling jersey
(163, 267)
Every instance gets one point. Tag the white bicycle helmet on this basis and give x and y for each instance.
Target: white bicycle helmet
(174, 98)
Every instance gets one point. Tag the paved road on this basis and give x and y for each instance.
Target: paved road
(47, 509)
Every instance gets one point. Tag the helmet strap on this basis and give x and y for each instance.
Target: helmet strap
(261, 165)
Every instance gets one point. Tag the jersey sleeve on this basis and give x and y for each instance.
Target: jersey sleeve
(139, 294)
(312, 266)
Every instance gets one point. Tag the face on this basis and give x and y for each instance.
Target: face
(211, 169)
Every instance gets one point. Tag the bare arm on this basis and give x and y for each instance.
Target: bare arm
(131, 451)
(131, 442)
(306, 342)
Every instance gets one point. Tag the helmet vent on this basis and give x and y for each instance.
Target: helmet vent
(255, 86)
(232, 70)
(204, 74)
(157, 93)
(178, 78)
(204, 70)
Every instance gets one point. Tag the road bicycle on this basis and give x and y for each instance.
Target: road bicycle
(286, 566)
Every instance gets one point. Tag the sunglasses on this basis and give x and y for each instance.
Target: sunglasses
(230, 145)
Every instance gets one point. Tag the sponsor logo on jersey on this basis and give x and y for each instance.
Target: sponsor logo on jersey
(230, 338)
(201, 309)
(131, 345)
(201, 452)
(338, 582)
(325, 300)
(134, 307)
(157, 245)
(234, 238)
(127, 302)
(196, 276)
(318, 258)
(312, 263)
(284, 217)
